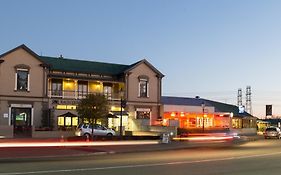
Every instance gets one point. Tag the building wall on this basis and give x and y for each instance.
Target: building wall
(9, 96)
(152, 102)
(36, 103)
(133, 84)
(37, 98)
(4, 111)
(7, 74)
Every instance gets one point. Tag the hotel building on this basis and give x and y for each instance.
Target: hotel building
(41, 91)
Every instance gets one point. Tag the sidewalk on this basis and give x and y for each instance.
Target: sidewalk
(58, 152)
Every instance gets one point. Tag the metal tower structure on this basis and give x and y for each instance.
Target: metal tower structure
(248, 100)
(239, 97)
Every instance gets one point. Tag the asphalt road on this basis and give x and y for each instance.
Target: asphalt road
(258, 157)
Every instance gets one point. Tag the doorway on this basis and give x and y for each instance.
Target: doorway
(21, 120)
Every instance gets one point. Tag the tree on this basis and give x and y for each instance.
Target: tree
(93, 107)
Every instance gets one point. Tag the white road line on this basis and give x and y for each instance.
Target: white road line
(140, 165)
(72, 144)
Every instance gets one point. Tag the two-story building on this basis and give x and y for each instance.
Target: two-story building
(37, 91)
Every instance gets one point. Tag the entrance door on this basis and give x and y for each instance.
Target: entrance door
(21, 119)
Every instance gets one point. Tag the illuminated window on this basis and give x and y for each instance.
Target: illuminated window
(192, 122)
(74, 121)
(237, 123)
(67, 121)
(60, 121)
(64, 121)
(143, 113)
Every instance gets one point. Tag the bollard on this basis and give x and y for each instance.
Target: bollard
(62, 139)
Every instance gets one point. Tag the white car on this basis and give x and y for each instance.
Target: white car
(99, 130)
(272, 132)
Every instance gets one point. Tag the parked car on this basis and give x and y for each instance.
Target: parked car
(272, 132)
(99, 130)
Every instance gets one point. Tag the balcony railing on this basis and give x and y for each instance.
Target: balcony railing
(80, 94)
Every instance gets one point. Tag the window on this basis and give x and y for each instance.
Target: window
(61, 121)
(143, 86)
(67, 122)
(107, 90)
(237, 123)
(82, 89)
(22, 80)
(143, 113)
(56, 88)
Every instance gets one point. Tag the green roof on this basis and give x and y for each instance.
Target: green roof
(82, 66)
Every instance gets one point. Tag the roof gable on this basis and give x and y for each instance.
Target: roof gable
(144, 61)
(24, 47)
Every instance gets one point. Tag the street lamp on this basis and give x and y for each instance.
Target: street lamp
(123, 104)
(203, 110)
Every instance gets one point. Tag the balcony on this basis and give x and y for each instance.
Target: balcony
(66, 94)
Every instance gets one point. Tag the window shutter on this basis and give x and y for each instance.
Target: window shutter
(16, 81)
(28, 82)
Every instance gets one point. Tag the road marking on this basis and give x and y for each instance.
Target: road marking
(140, 165)
(72, 144)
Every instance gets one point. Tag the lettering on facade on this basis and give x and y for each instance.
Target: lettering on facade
(65, 102)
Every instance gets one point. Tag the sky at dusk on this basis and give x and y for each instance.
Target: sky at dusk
(206, 48)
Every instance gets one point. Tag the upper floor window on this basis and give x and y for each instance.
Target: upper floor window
(56, 87)
(82, 89)
(22, 79)
(107, 90)
(143, 86)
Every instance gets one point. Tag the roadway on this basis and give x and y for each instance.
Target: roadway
(257, 157)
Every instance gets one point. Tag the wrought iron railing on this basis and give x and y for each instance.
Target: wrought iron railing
(80, 94)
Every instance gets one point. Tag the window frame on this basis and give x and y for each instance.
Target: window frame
(57, 92)
(28, 80)
(143, 84)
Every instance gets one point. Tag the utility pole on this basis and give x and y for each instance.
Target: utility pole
(123, 104)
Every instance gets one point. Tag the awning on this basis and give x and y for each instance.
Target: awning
(111, 116)
(68, 114)
(117, 113)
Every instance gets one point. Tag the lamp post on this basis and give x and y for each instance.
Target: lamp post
(203, 110)
(123, 104)
(120, 129)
